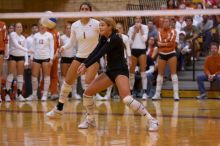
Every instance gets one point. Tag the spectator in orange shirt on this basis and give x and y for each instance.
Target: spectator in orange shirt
(3, 48)
(211, 70)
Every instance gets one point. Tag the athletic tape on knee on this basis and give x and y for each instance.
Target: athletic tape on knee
(144, 80)
(135, 105)
(10, 78)
(89, 104)
(88, 100)
(131, 77)
(65, 90)
(20, 81)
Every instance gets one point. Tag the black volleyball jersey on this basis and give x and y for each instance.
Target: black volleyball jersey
(113, 46)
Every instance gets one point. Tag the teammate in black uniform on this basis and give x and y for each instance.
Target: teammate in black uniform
(117, 72)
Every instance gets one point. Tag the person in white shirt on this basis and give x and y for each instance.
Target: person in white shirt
(84, 32)
(17, 60)
(43, 49)
(138, 35)
(67, 57)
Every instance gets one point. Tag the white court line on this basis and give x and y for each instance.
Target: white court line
(34, 15)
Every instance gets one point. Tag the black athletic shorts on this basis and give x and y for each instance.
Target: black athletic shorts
(81, 60)
(112, 74)
(167, 57)
(67, 60)
(40, 61)
(16, 58)
(2, 52)
(138, 52)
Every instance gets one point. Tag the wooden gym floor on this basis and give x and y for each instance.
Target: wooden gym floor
(187, 122)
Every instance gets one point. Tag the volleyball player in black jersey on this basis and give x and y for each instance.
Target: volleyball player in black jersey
(117, 72)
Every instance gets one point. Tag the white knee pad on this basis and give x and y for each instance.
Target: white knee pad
(10, 78)
(174, 77)
(20, 81)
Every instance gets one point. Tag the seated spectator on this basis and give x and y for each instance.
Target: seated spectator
(191, 33)
(152, 29)
(204, 27)
(182, 50)
(211, 70)
(152, 51)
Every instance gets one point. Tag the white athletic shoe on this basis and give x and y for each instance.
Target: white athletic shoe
(44, 98)
(106, 97)
(153, 125)
(77, 96)
(86, 123)
(145, 96)
(202, 96)
(20, 98)
(99, 97)
(7, 98)
(32, 98)
(156, 97)
(54, 97)
(54, 113)
(176, 97)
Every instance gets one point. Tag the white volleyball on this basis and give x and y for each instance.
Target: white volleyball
(48, 20)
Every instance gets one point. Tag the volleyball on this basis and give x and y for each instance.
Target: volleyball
(48, 21)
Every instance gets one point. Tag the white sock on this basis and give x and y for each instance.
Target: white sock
(175, 84)
(131, 77)
(34, 85)
(74, 88)
(20, 81)
(83, 78)
(9, 81)
(137, 106)
(159, 85)
(108, 92)
(64, 93)
(46, 85)
(89, 104)
(144, 81)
